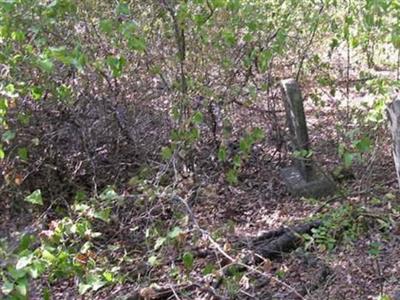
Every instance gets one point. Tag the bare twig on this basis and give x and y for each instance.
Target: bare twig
(207, 235)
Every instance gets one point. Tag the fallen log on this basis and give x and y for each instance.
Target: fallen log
(273, 244)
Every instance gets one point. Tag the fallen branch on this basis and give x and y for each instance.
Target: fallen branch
(274, 243)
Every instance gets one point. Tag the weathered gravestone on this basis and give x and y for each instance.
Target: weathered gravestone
(301, 179)
(393, 112)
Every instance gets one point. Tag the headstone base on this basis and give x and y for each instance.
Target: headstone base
(319, 185)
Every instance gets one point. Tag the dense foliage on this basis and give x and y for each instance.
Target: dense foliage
(111, 106)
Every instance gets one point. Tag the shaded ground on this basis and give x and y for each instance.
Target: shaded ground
(230, 214)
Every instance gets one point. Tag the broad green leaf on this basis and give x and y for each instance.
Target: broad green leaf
(47, 255)
(109, 194)
(7, 287)
(8, 136)
(45, 64)
(35, 198)
(103, 215)
(175, 232)
(37, 93)
(22, 287)
(23, 262)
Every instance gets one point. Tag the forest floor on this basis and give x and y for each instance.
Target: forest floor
(357, 258)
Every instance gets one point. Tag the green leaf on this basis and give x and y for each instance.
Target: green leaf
(175, 232)
(48, 256)
(166, 153)
(86, 247)
(348, 159)
(37, 93)
(364, 145)
(2, 154)
(35, 198)
(23, 262)
(103, 215)
(188, 260)
(116, 65)
(229, 38)
(97, 283)
(108, 276)
(106, 26)
(7, 287)
(83, 288)
(17, 274)
(265, 58)
(109, 194)
(23, 153)
(222, 153)
(22, 287)
(257, 134)
(208, 269)
(197, 118)
(231, 177)
(45, 64)
(153, 261)
(137, 43)
(123, 9)
(8, 136)
(46, 294)
(159, 242)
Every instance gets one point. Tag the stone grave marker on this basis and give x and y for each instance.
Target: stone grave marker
(301, 179)
(393, 112)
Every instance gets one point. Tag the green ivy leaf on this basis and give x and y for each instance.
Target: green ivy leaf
(35, 198)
